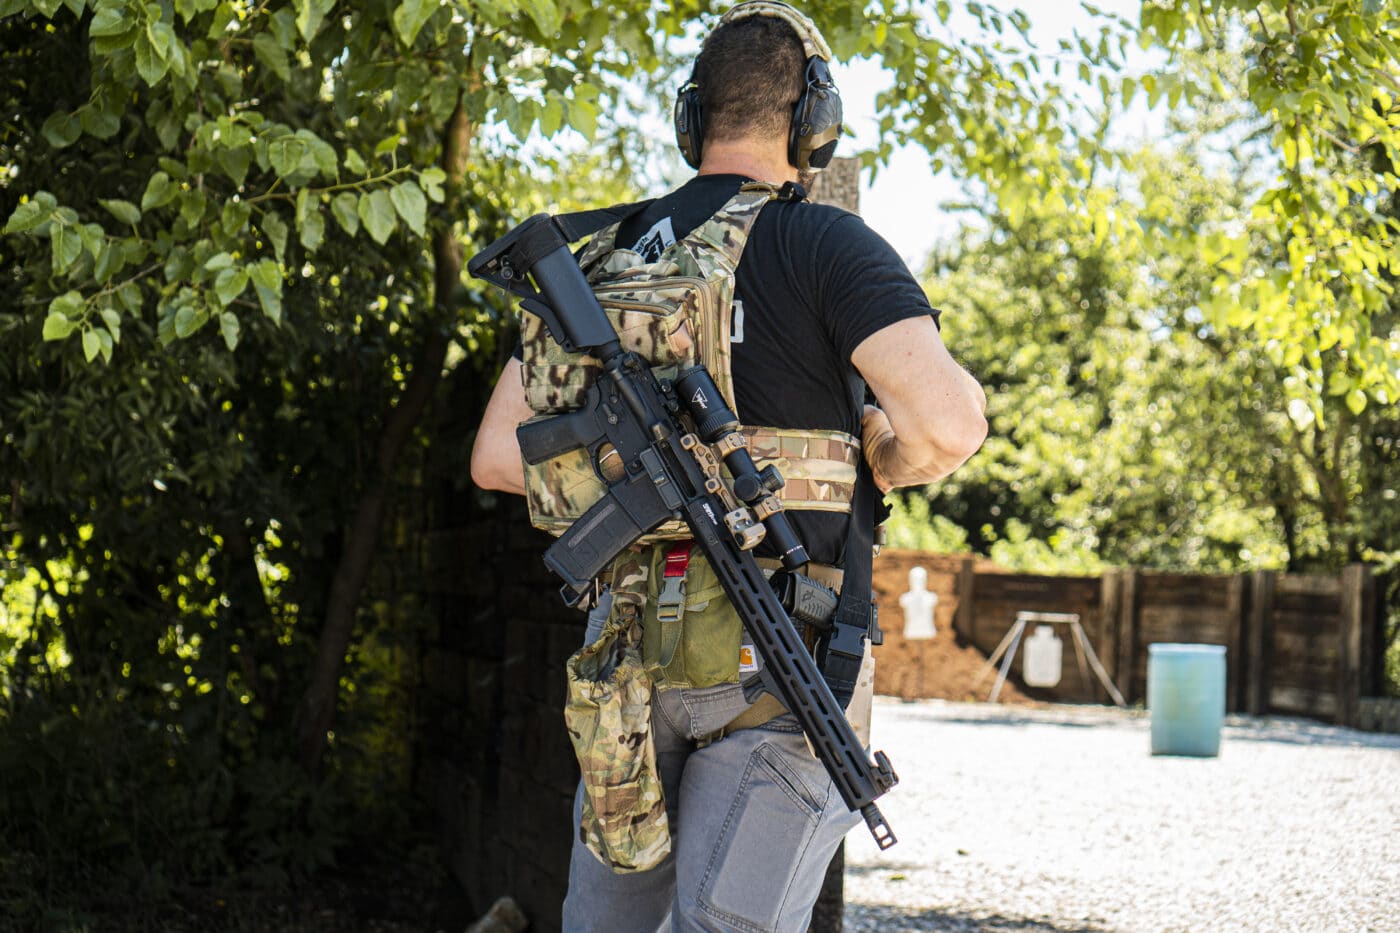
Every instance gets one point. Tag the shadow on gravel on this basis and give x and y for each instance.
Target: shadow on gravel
(1014, 719)
(861, 918)
(1303, 732)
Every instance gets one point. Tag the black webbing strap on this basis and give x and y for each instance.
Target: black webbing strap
(845, 649)
(541, 239)
(580, 224)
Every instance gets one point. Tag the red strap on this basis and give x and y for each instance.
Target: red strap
(678, 558)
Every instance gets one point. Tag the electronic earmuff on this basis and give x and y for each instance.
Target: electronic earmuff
(816, 119)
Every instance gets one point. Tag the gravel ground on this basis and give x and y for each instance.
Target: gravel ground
(1059, 819)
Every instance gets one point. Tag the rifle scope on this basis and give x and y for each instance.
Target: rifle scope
(715, 420)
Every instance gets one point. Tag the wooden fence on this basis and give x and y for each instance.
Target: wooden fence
(1302, 644)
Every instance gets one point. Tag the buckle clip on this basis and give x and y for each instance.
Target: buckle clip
(670, 602)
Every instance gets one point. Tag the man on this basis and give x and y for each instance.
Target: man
(823, 307)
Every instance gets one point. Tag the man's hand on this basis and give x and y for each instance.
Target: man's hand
(875, 431)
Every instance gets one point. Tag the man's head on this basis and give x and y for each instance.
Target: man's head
(761, 75)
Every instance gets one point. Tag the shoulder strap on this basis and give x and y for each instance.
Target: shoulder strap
(719, 242)
(845, 648)
(580, 224)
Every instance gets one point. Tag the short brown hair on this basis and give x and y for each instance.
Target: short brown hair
(750, 73)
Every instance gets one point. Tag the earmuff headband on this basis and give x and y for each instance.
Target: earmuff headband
(816, 120)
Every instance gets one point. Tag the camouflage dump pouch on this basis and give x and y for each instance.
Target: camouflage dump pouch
(608, 715)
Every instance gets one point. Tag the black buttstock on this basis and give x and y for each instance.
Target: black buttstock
(536, 253)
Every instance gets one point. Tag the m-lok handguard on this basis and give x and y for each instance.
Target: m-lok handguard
(650, 443)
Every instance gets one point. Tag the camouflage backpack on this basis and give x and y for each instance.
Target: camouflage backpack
(674, 312)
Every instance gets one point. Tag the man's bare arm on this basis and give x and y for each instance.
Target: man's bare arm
(932, 412)
(496, 462)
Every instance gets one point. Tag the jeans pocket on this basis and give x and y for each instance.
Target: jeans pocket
(765, 836)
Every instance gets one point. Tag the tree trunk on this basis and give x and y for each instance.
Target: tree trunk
(317, 711)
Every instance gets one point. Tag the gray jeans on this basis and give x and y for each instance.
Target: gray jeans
(754, 822)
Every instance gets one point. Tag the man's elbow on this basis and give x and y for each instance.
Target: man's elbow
(488, 472)
(974, 433)
(951, 444)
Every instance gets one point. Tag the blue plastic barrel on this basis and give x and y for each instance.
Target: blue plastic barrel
(1186, 695)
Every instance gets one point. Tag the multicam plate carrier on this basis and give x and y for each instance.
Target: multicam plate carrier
(674, 312)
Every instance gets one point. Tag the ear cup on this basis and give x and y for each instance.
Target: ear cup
(690, 134)
(816, 120)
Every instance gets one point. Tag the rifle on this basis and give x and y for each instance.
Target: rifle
(661, 433)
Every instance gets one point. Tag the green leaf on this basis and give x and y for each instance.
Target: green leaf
(235, 163)
(387, 144)
(62, 129)
(67, 247)
(99, 122)
(310, 14)
(276, 230)
(228, 326)
(430, 180)
(27, 216)
(59, 323)
(234, 217)
(267, 282)
(218, 261)
(56, 327)
(410, 17)
(113, 319)
(186, 321)
(285, 153)
(271, 54)
(544, 13)
(105, 340)
(408, 200)
(130, 297)
(1356, 401)
(311, 230)
(552, 117)
(109, 21)
(377, 212)
(91, 345)
(229, 284)
(583, 116)
(151, 63)
(107, 260)
(160, 191)
(354, 163)
(343, 207)
(125, 212)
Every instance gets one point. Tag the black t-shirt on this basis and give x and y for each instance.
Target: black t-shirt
(813, 283)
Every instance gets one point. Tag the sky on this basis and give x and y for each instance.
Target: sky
(904, 205)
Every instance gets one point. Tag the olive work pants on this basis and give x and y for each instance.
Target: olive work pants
(754, 819)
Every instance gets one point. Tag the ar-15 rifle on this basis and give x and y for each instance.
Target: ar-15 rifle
(656, 436)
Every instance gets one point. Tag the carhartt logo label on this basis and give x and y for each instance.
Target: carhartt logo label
(748, 659)
(699, 398)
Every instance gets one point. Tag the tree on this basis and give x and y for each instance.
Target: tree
(232, 244)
